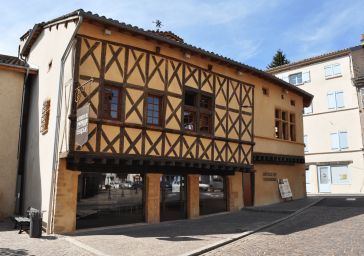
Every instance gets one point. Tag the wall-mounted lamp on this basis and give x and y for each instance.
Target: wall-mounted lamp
(239, 73)
(209, 67)
(107, 32)
(157, 49)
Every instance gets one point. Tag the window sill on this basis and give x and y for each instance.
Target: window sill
(332, 77)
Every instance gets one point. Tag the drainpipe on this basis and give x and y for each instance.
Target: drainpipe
(21, 144)
(58, 117)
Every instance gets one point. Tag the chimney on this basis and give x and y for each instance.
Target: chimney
(362, 39)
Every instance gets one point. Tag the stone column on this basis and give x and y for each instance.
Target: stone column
(152, 198)
(193, 196)
(234, 192)
(65, 199)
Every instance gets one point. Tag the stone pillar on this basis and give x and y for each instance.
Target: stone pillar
(193, 196)
(65, 199)
(234, 192)
(152, 198)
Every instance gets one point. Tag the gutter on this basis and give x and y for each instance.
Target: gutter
(69, 47)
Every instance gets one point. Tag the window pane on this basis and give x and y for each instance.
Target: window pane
(339, 99)
(150, 100)
(343, 140)
(156, 101)
(336, 69)
(334, 141)
(331, 100)
(340, 175)
(114, 114)
(188, 120)
(328, 71)
(190, 98)
(150, 120)
(155, 120)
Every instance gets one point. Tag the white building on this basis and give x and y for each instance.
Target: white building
(332, 127)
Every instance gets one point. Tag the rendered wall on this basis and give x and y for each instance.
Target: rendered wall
(46, 55)
(323, 121)
(267, 191)
(11, 88)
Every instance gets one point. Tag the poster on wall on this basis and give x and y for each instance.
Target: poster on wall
(82, 125)
(284, 188)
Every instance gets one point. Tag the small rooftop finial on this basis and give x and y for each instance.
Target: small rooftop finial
(158, 24)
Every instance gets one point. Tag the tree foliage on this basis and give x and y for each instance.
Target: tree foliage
(279, 59)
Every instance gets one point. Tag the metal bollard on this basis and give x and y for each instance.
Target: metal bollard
(35, 229)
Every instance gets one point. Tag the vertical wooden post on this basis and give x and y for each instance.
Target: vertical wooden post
(152, 198)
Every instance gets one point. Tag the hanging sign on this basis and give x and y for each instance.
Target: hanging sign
(82, 125)
(284, 188)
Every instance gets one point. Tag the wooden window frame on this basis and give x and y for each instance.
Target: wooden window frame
(107, 116)
(284, 125)
(198, 110)
(161, 109)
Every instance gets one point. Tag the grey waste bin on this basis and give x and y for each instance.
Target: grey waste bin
(35, 229)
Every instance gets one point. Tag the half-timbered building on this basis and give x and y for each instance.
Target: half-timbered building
(137, 125)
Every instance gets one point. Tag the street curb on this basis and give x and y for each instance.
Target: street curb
(247, 233)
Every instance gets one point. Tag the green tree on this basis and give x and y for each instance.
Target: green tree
(279, 59)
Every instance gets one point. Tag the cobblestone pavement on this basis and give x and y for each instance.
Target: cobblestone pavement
(167, 238)
(332, 227)
(14, 244)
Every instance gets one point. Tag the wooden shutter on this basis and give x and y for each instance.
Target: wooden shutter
(45, 116)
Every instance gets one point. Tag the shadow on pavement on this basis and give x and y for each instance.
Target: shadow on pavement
(185, 230)
(12, 252)
(327, 211)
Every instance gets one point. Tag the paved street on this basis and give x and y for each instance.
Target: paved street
(332, 227)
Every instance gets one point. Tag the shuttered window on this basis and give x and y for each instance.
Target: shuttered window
(45, 116)
(335, 100)
(332, 70)
(339, 140)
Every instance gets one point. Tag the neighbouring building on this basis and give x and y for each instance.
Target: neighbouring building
(127, 125)
(14, 78)
(333, 123)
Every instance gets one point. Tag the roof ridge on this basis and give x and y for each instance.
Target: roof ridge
(185, 46)
(309, 59)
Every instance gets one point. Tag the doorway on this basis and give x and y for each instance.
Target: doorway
(324, 178)
(173, 203)
(212, 194)
(248, 188)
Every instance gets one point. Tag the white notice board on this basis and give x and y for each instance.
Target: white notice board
(284, 188)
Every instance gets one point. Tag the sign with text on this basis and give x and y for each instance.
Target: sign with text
(82, 125)
(284, 188)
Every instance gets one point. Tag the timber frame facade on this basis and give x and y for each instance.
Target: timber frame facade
(131, 144)
(160, 111)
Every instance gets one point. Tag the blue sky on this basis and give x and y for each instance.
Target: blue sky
(244, 30)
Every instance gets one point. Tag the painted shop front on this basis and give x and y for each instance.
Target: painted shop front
(151, 129)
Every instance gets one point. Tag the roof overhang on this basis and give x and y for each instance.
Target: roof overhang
(37, 29)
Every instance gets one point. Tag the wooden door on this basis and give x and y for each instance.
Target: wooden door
(248, 189)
